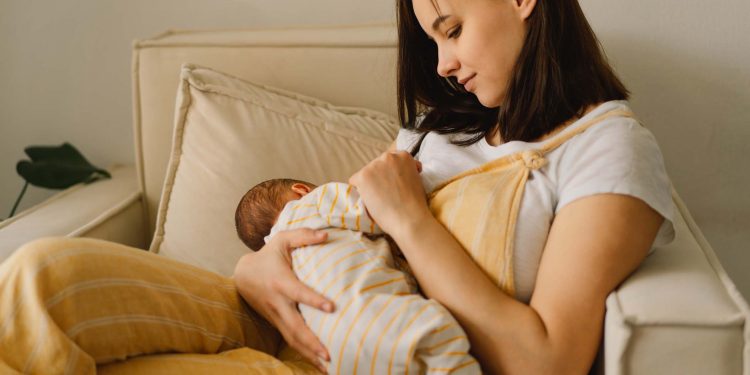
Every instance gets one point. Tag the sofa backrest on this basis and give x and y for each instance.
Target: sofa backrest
(346, 65)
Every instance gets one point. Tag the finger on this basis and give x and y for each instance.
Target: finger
(295, 238)
(300, 293)
(300, 336)
(419, 166)
(309, 355)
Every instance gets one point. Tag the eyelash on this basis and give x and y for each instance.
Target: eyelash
(455, 33)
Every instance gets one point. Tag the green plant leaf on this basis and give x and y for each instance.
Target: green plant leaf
(65, 152)
(57, 167)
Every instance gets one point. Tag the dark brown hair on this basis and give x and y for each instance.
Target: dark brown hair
(560, 71)
(259, 208)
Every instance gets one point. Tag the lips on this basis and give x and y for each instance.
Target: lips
(466, 79)
(468, 83)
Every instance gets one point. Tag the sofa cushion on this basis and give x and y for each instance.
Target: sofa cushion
(679, 313)
(353, 65)
(229, 135)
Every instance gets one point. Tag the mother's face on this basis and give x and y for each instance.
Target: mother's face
(478, 41)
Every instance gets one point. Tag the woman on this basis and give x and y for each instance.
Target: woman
(512, 75)
(511, 88)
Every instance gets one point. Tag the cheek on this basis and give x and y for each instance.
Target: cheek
(497, 63)
(493, 68)
(505, 42)
(501, 57)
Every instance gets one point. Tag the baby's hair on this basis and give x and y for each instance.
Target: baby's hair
(258, 209)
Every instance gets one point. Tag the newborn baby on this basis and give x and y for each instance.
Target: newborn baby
(381, 324)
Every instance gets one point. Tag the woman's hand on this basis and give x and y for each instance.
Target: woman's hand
(392, 191)
(265, 280)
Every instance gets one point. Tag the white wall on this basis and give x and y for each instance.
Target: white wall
(687, 63)
(65, 66)
(65, 74)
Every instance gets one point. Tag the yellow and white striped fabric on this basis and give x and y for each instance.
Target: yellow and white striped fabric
(381, 325)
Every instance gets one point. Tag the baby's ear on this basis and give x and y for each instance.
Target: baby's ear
(301, 189)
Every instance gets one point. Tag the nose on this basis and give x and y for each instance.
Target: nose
(447, 62)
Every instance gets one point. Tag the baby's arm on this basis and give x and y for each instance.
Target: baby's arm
(333, 205)
(340, 206)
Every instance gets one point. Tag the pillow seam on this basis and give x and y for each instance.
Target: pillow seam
(320, 126)
(177, 145)
(365, 112)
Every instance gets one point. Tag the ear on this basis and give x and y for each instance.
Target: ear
(525, 8)
(301, 189)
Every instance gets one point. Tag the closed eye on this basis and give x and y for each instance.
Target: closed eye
(455, 32)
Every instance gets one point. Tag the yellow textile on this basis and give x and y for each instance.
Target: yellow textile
(480, 206)
(70, 304)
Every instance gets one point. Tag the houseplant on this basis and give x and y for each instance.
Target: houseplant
(55, 167)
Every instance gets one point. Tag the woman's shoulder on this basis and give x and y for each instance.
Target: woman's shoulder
(619, 137)
(616, 155)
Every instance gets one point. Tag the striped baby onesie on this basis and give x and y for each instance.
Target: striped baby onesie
(381, 325)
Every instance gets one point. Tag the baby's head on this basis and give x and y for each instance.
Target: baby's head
(260, 207)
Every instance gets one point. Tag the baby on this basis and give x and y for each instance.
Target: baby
(381, 324)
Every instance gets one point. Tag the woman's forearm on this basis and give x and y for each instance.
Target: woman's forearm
(506, 335)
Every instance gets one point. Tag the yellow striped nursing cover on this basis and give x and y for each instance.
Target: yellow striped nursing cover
(480, 206)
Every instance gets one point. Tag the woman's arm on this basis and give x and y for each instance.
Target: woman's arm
(265, 280)
(593, 245)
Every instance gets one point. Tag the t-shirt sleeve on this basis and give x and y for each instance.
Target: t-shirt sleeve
(617, 156)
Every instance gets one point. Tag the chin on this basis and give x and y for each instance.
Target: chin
(489, 101)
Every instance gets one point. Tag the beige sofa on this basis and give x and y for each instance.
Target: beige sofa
(678, 314)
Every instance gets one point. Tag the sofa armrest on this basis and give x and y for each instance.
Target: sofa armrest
(679, 313)
(107, 209)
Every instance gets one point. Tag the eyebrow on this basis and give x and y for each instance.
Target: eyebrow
(438, 21)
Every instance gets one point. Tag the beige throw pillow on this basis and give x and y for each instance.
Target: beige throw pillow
(231, 134)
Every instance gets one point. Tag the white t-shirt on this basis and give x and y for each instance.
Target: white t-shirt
(616, 155)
